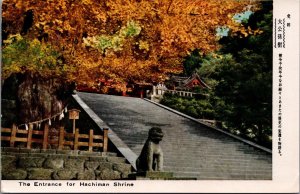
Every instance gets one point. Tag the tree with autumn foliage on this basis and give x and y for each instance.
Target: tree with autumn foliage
(121, 40)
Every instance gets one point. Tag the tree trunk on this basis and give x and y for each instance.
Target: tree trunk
(38, 98)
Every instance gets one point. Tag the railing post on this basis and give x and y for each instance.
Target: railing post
(91, 137)
(105, 139)
(29, 136)
(13, 135)
(46, 134)
(76, 139)
(61, 138)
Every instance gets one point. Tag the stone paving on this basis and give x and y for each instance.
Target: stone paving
(190, 149)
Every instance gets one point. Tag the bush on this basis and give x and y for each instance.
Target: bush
(190, 106)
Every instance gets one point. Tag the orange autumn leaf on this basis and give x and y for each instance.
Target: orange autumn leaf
(169, 30)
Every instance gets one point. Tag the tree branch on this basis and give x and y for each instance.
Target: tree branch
(171, 2)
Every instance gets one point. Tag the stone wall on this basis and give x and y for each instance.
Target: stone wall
(37, 164)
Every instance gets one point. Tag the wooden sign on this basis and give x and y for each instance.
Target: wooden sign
(74, 114)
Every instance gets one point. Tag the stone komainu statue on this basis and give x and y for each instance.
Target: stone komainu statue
(151, 157)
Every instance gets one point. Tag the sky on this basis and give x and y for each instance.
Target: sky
(239, 17)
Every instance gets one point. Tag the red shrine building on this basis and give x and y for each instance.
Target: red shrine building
(186, 83)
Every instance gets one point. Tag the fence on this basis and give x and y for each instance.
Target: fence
(160, 91)
(181, 93)
(75, 140)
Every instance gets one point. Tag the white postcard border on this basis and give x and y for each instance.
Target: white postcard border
(285, 167)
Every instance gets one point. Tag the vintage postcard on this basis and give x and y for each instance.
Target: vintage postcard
(131, 96)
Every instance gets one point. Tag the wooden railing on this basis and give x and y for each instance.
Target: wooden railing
(75, 141)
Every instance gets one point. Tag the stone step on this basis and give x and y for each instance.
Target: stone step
(215, 142)
(204, 153)
(217, 173)
(186, 174)
(215, 158)
(187, 156)
(212, 150)
(215, 167)
(209, 147)
(195, 155)
(200, 141)
(219, 176)
(183, 162)
(225, 169)
(211, 162)
(245, 167)
(200, 177)
(154, 175)
(216, 164)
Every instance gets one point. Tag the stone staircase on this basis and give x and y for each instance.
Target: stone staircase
(37, 164)
(191, 149)
(208, 154)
